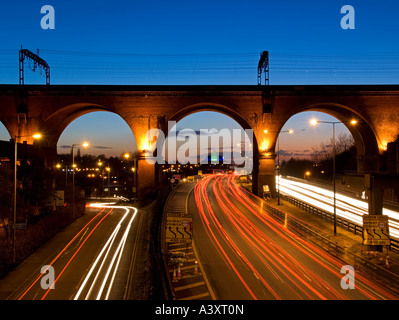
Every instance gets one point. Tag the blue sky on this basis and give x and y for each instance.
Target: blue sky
(203, 42)
(206, 42)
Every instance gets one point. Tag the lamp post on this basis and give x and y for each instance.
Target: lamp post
(85, 145)
(59, 166)
(35, 136)
(109, 186)
(133, 169)
(333, 123)
(100, 163)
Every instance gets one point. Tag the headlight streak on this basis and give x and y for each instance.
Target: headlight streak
(78, 242)
(73, 256)
(107, 245)
(61, 252)
(115, 260)
(347, 207)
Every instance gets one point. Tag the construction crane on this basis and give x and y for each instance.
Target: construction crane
(37, 62)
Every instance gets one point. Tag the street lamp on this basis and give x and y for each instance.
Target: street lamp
(108, 170)
(85, 145)
(352, 122)
(134, 170)
(35, 136)
(59, 166)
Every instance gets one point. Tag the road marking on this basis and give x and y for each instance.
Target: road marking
(196, 284)
(197, 296)
(190, 272)
(180, 249)
(183, 268)
(213, 296)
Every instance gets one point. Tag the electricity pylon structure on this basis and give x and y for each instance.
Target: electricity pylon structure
(37, 62)
(263, 65)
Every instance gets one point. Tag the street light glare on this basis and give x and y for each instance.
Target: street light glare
(314, 122)
(37, 136)
(353, 122)
(85, 144)
(290, 131)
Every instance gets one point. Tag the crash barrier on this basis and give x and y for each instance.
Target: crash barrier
(361, 262)
(328, 216)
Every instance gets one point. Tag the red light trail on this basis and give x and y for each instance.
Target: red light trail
(287, 266)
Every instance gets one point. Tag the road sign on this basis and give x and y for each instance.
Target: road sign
(58, 198)
(179, 228)
(19, 226)
(266, 192)
(375, 230)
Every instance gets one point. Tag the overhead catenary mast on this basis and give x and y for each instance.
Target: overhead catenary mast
(37, 62)
(263, 65)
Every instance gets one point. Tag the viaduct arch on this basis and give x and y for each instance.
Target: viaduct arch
(49, 109)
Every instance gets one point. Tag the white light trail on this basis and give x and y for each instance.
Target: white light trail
(117, 254)
(349, 208)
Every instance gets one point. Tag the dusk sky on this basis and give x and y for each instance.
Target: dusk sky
(201, 42)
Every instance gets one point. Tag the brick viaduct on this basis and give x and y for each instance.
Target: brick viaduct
(27, 109)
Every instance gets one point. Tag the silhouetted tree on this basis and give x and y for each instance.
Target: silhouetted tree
(324, 151)
(295, 167)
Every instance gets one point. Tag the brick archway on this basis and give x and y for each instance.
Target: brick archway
(228, 112)
(365, 138)
(56, 123)
(31, 108)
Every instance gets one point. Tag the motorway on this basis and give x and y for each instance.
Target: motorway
(94, 263)
(246, 254)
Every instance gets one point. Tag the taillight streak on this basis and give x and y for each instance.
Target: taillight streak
(311, 250)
